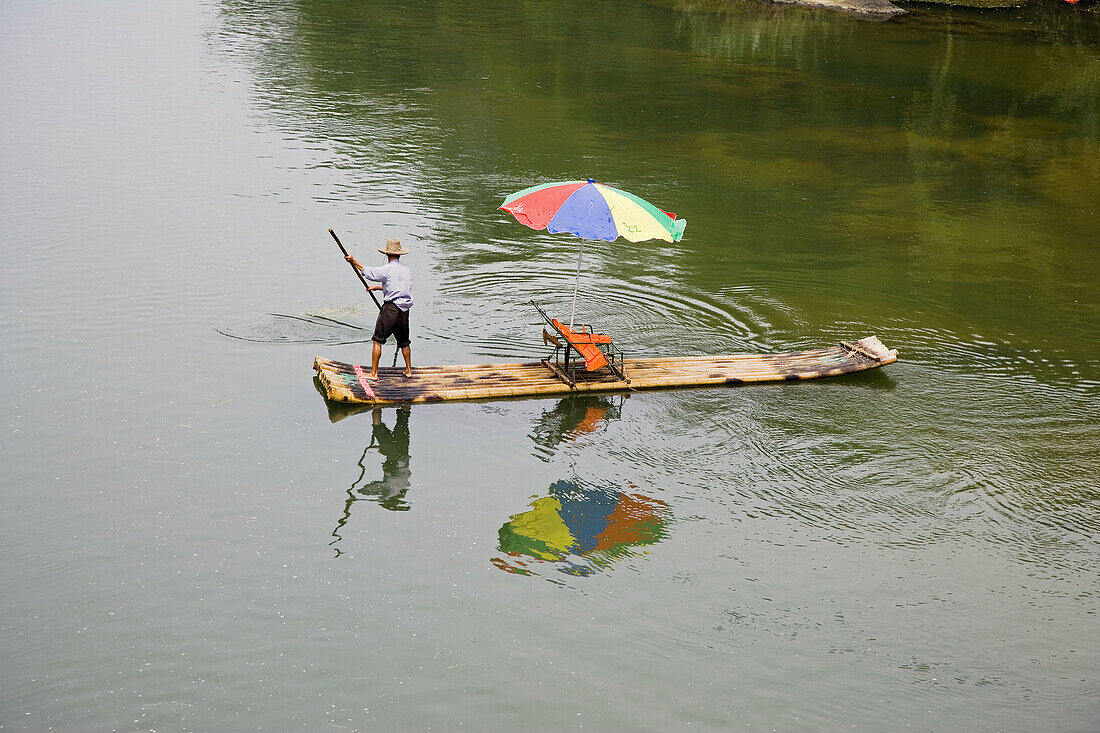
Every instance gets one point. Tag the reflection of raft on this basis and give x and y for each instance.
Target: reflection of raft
(347, 382)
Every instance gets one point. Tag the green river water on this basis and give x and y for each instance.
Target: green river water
(192, 540)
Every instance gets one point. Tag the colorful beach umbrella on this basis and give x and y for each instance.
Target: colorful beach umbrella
(599, 525)
(591, 210)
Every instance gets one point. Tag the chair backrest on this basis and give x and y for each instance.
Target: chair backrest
(585, 344)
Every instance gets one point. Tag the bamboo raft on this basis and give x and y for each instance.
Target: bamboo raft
(342, 382)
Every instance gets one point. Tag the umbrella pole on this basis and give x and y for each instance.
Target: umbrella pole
(576, 283)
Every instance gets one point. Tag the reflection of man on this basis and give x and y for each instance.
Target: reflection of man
(394, 446)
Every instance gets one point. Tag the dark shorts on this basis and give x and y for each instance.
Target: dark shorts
(392, 320)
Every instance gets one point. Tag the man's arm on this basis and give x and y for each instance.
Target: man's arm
(355, 263)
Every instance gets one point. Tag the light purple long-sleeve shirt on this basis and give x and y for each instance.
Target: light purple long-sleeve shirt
(396, 279)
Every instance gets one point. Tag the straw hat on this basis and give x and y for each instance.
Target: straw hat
(393, 247)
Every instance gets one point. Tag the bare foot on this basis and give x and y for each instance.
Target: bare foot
(408, 375)
(371, 377)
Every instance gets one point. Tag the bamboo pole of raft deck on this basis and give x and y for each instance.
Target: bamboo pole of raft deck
(747, 365)
(482, 381)
(693, 366)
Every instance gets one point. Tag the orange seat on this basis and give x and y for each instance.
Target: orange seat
(585, 344)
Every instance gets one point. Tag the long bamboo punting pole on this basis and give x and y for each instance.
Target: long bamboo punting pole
(356, 269)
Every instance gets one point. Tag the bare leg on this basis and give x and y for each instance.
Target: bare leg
(407, 354)
(375, 355)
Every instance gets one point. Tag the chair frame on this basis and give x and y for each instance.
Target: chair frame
(563, 360)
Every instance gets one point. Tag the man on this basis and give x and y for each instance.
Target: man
(396, 287)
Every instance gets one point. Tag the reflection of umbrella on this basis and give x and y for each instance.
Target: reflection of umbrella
(597, 524)
(592, 211)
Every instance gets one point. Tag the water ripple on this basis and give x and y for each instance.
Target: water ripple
(310, 328)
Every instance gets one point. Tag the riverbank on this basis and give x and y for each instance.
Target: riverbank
(885, 9)
(880, 9)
